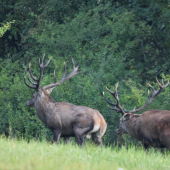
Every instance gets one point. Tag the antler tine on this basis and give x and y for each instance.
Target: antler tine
(47, 62)
(125, 110)
(166, 84)
(64, 71)
(109, 90)
(42, 67)
(151, 87)
(115, 91)
(74, 69)
(108, 100)
(32, 87)
(43, 58)
(115, 95)
(158, 82)
(162, 86)
(31, 81)
(162, 82)
(148, 94)
(78, 65)
(73, 65)
(72, 73)
(31, 73)
(118, 111)
(41, 61)
(154, 94)
(37, 84)
(116, 85)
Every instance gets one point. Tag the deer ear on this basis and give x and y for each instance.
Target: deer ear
(126, 116)
(50, 90)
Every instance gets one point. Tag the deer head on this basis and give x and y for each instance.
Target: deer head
(46, 90)
(127, 115)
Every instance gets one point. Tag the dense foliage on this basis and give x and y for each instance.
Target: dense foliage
(4, 28)
(114, 41)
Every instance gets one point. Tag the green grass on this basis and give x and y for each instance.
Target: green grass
(19, 155)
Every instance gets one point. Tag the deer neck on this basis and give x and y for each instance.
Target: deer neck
(43, 108)
(131, 125)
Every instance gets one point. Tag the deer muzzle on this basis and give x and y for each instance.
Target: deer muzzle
(118, 132)
(30, 104)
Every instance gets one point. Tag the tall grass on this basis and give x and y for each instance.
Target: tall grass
(19, 155)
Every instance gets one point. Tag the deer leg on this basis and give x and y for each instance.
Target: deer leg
(67, 140)
(146, 145)
(81, 126)
(97, 139)
(165, 138)
(79, 139)
(80, 133)
(57, 134)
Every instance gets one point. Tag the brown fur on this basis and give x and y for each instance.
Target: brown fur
(152, 128)
(65, 119)
(48, 97)
(68, 120)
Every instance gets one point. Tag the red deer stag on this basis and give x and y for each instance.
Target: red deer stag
(151, 127)
(65, 119)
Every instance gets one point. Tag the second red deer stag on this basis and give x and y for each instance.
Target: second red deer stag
(65, 119)
(151, 127)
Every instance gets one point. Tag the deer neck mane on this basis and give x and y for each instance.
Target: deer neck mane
(48, 97)
(131, 125)
(44, 103)
(43, 107)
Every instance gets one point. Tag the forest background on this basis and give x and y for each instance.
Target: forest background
(115, 41)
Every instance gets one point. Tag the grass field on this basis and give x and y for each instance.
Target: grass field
(21, 155)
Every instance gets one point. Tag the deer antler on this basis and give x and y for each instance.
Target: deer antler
(121, 110)
(36, 84)
(73, 73)
(154, 94)
(115, 95)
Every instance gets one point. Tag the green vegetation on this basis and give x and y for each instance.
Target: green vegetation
(114, 41)
(5, 27)
(42, 155)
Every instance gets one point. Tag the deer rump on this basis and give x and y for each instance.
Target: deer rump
(153, 128)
